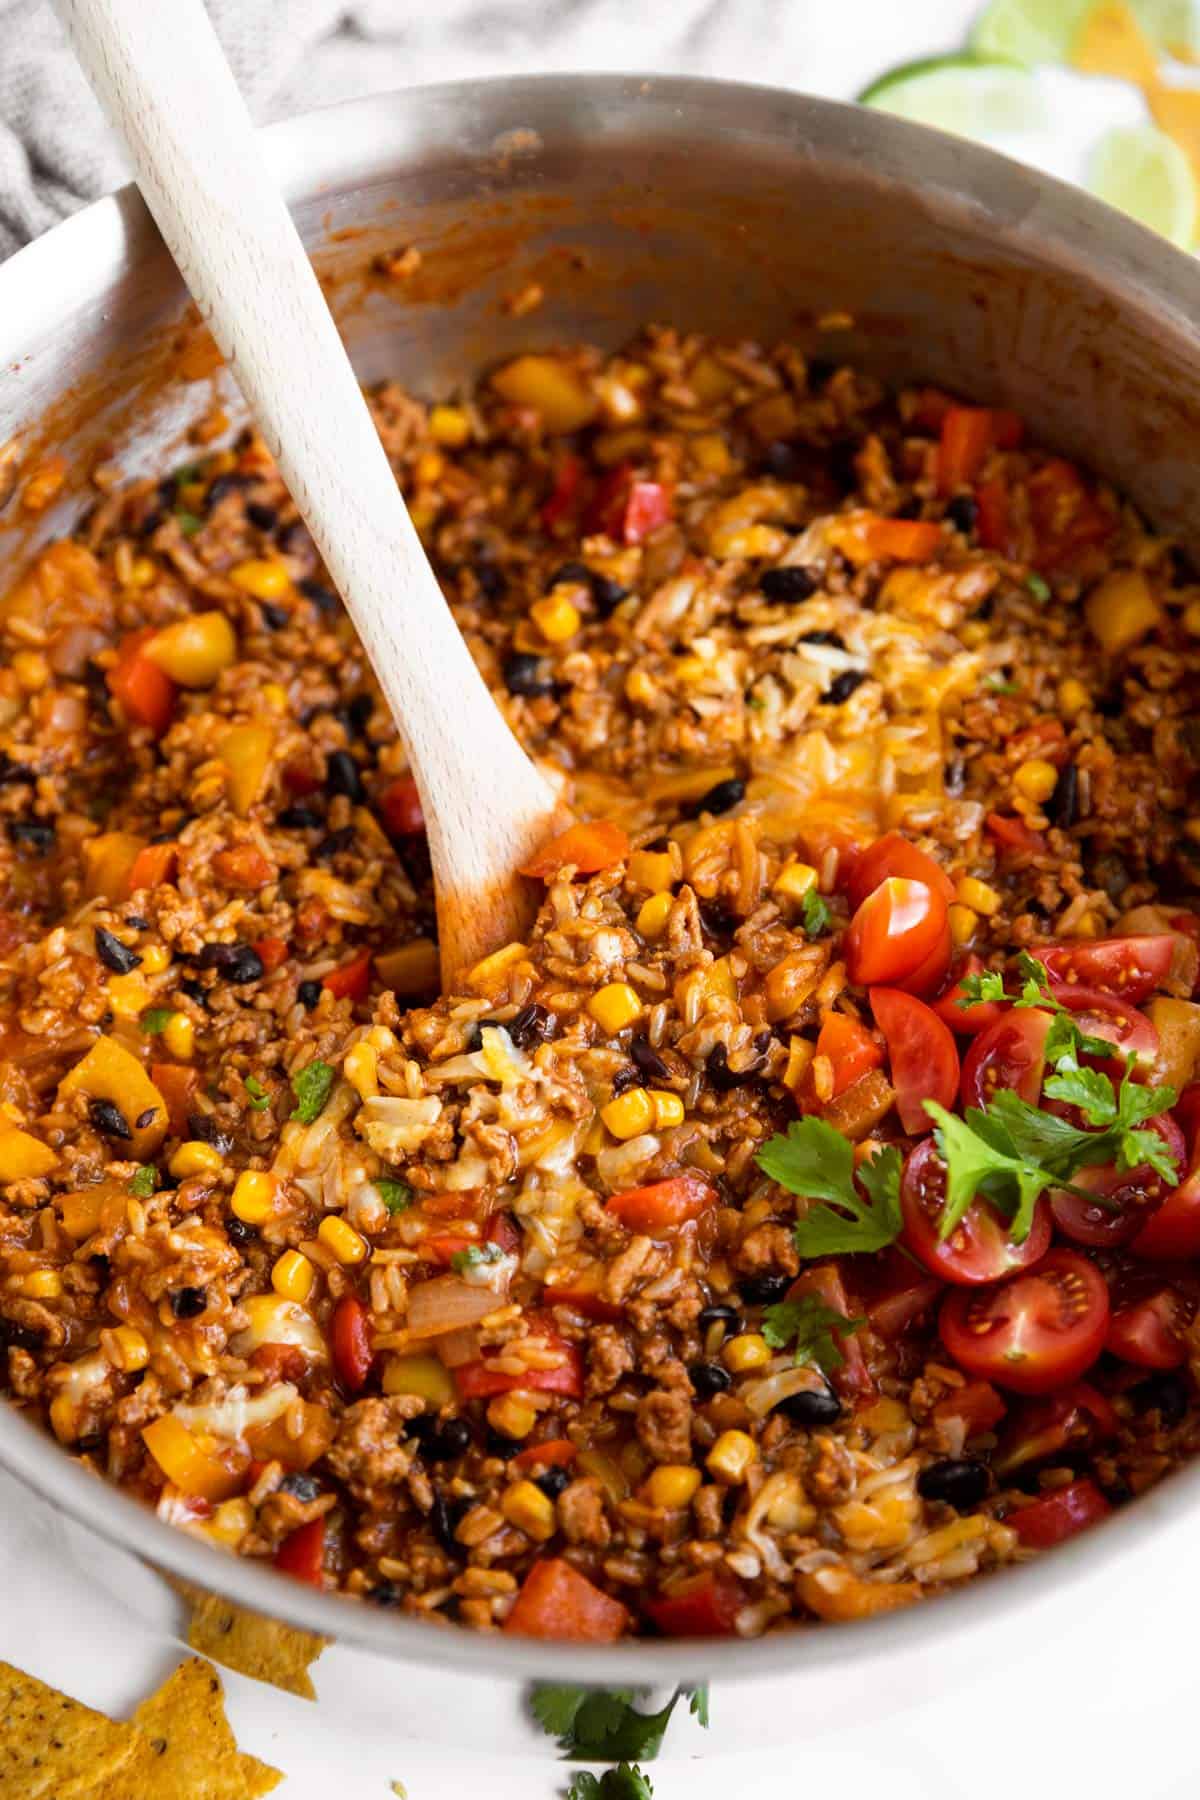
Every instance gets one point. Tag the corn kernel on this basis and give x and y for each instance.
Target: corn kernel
(342, 1239)
(531, 1511)
(131, 1347)
(1073, 696)
(359, 1067)
(179, 1037)
(276, 696)
(749, 1351)
(653, 869)
(253, 1199)
(1191, 618)
(195, 1158)
(230, 1522)
(263, 580)
(293, 1276)
(653, 915)
(672, 1485)
(555, 617)
(668, 1109)
(799, 1062)
(732, 1456)
(639, 688)
(128, 995)
(511, 1416)
(42, 1284)
(615, 1006)
(978, 896)
(795, 879)
(31, 670)
(963, 920)
(449, 426)
(155, 958)
(630, 1114)
(487, 970)
(142, 571)
(430, 467)
(1036, 779)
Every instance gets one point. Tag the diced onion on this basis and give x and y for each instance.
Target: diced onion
(447, 1303)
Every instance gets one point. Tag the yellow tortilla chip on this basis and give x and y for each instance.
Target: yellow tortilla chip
(51, 1747)
(185, 1749)
(251, 1644)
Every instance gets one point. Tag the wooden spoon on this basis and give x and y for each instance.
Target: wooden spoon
(160, 74)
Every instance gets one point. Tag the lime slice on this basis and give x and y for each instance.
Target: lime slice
(1029, 31)
(1140, 170)
(927, 65)
(1171, 24)
(971, 96)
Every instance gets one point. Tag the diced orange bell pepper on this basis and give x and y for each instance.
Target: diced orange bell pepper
(110, 1072)
(559, 1453)
(185, 1463)
(272, 952)
(866, 537)
(663, 1205)
(850, 1048)
(109, 861)
(146, 694)
(586, 847)
(352, 981)
(243, 866)
(177, 1085)
(966, 438)
(153, 866)
(556, 1601)
(993, 525)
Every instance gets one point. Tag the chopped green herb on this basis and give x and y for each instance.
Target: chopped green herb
(259, 1097)
(816, 1161)
(1038, 588)
(156, 1019)
(756, 703)
(312, 1088)
(698, 1703)
(475, 1256)
(189, 524)
(604, 1725)
(814, 914)
(1000, 684)
(988, 985)
(144, 1181)
(812, 1327)
(625, 1782)
(186, 474)
(396, 1195)
(1065, 1038)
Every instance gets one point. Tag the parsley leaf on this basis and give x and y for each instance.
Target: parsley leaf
(396, 1195)
(475, 1256)
(603, 1725)
(144, 1181)
(625, 1782)
(816, 1161)
(1038, 588)
(154, 1020)
(813, 1327)
(987, 985)
(312, 1086)
(259, 1097)
(814, 914)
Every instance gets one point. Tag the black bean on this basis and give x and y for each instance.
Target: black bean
(263, 518)
(145, 1119)
(334, 843)
(608, 594)
(204, 1126)
(188, 1302)
(239, 963)
(523, 675)
(833, 639)
(195, 991)
(496, 1444)
(108, 1119)
(308, 993)
(721, 797)
(12, 772)
(151, 522)
(811, 1406)
(648, 1060)
(100, 1266)
(720, 1075)
(385, 1593)
(553, 1482)
(299, 818)
(574, 572)
(18, 1337)
(717, 919)
(300, 1487)
(720, 1314)
(475, 1035)
(782, 460)
(238, 1232)
(843, 685)
(221, 485)
(709, 1378)
(909, 509)
(1109, 872)
(114, 954)
(445, 1517)
(624, 1079)
(422, 1428)
(1118, 1492)
(491, 579)
(275, 617)
(1064, 801)
(764, 1290)
(342, 776)
(961, 1481)
(448, 1442)
(963, 513)
(358, 713)
(659, 845)
(1167, 1394)
(322, 597)
(33, 834)
(530, 1026)
(793, 583)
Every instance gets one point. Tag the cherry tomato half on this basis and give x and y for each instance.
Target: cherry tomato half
(854, 1379)
(350, 1333)
(929, 976)
(1150, 1332)
(1173, 1233)
(1076, 1417)
(922, 1054)
(895, 930)
(893, 854)
(1126, 1199)
(980, 1249)
(1103, 1015)
(1009, 1054)
(1060, 1515)
(899, 1291)
(968, 1021)
(1036, 1331)
(1129, 967)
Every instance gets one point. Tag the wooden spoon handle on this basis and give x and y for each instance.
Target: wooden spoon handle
(160, 72)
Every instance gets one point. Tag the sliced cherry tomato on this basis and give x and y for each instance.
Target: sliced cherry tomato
(1060, 1515)
(1129, 967)
(1173, 1232)
(1187, 1114)
(400, 804)
(894, 854)
(1036, 1331)
(922, 1054)
(980, 1248)
(352, 981)
(590, 846)
(967, 1020)
(705, 1605)
(558, 1453)
(1076, 1417)
(303, 1554)
(1151, 1332)
(663, 1206)
(1009, 1054)
(895, 930)
(561, 500)
(853, 1380)
(1103, 1015)
(475, 1381)
(901, 1292)
(350, 1333)
(976, 1403)
(1125, 1199)
(556, 1601)
(1012, 833)
(850, 1049)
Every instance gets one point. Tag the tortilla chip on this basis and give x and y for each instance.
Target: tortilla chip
(251, 1644)
(51, 1747)
(185, 1749)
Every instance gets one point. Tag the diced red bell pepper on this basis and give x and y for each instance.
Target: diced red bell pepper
(444, 1245)
(556, 1601)
(977, 1404)
(1059, 1515)
(400, 804)
(146, 694)
(993, 523)
(243, 866)
(300, 778)
(587, 847)
(559, 1453)
(663, 1205)
(178, 1086)
(561, 500)
(352, 981)
(350, 1332)
(850, 1048)
(627, 507)
(272, 952)
(1012, 833)
(705, 1605)
(303, 1554)
(475, 1381)
(582, 1294)
(153, 865)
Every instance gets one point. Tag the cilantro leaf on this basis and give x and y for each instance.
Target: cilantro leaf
(312, 1086)
(555, 1708)
(154, 1020)
(189, 523)
(814, 913)
(987, 985)
(259, 1097)
(814, 1160)
(698, 1703)
(625, 1782)
(603, 1725)
(397, 1196)
(475, 1256)
(1000, 684)
(1147, 1147)
(812, 1327)
(144, 1181)
(978, 1160)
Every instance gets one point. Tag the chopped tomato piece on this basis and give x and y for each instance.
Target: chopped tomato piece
(562, 498)
(582, 1293)
(968, 433)
(976, 1403)
(559, 1453)
(1060, 1515)
(585, 847)
(556, 1601)
(664, 1205)
(178, 1086)
(849, 1047)
(705, 1605)
(1012, 833)
(993, 524)
(352, 981)
(1173, 1232)
(922, 1054)
(350, 1333)
(900, 540)
(153, 865)
(894, 854)
(1072, 1419)
(980, 1249)
(280, 1362)
(853, 1380)
(894, 932)
(968, 1020)
(400, 804)
(475, 1381)
(1034, 1332)
(1066, 517)
(1151, 1332)
(901, 1292)
(243, 866)
(146, 694)
(1130, 967)
(272, 952)
(627, 507)
(303, 1554)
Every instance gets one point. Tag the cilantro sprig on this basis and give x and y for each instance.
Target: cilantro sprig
(604, 1725)
(812, 1329)
(625, 1782)
(396, 1195)
(813, 1159)
(475, 1256)
(814, 913)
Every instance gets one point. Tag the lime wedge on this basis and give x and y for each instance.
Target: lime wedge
(1029, 31)
(971, 96)
(1140, 170)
